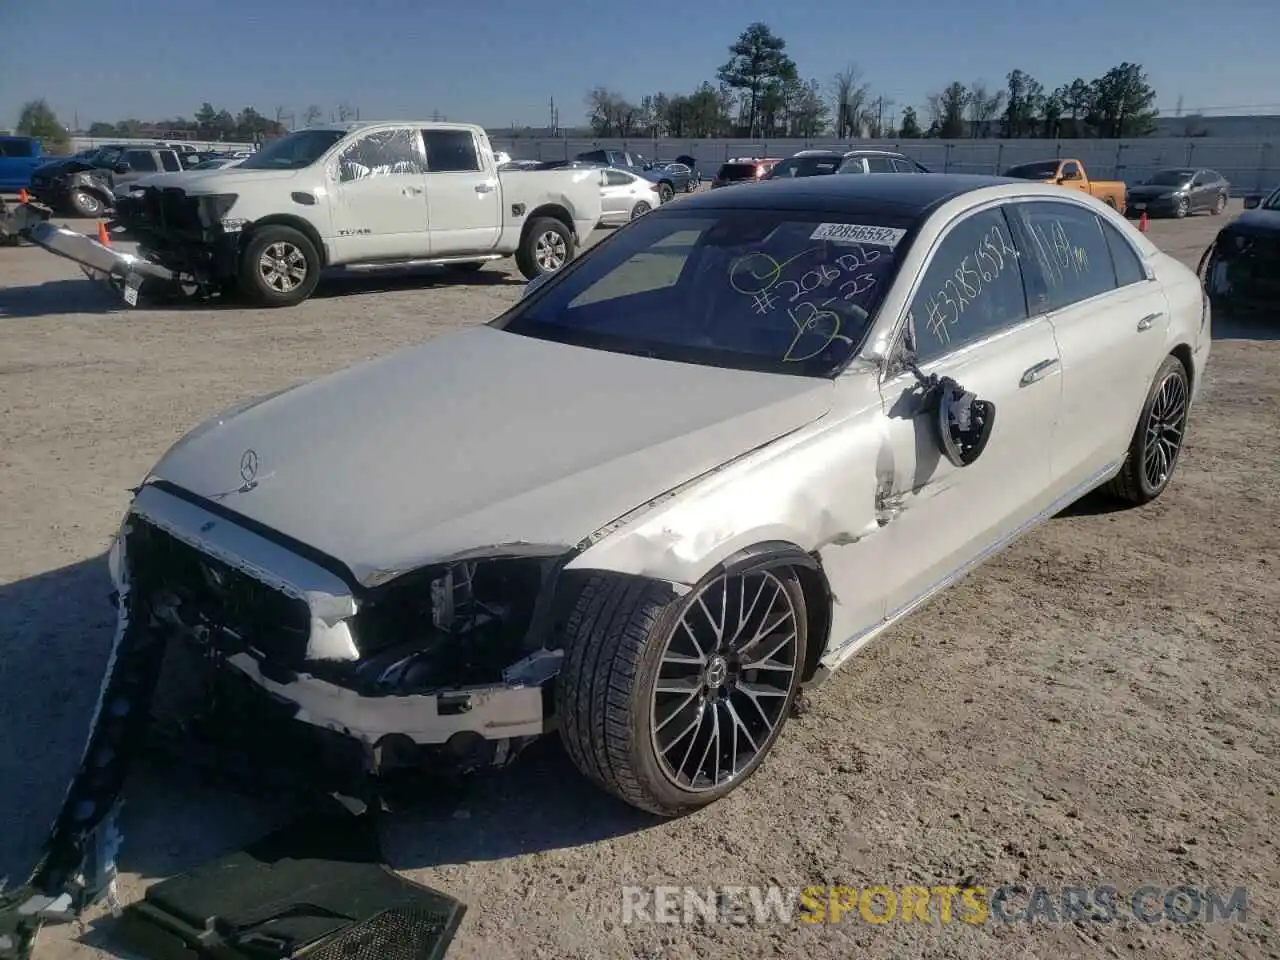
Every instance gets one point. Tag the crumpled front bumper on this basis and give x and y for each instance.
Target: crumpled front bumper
(18, 221)
(92, 255)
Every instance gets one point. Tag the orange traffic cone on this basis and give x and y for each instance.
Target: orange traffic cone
(104, 238)
(1142, 222)
(23, 196)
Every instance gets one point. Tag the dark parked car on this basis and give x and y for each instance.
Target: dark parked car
(743, 170)
(1241, 270)
(1179, 191)
(84, 187)
(818, 163)
(675, 172)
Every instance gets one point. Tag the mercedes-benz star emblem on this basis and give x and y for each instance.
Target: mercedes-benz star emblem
(248, 466)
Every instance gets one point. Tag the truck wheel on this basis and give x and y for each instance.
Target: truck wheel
(279, 267)
(669, 702)
(546, 247)
(85, 203)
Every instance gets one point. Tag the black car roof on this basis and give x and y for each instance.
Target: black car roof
(909, 194)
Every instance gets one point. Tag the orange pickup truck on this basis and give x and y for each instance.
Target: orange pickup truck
(1071, 173)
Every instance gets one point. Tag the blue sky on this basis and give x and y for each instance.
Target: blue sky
(500, 61)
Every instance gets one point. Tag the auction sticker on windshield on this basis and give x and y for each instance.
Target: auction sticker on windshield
(858, 233)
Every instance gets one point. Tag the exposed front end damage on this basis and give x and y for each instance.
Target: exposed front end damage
(442, 666)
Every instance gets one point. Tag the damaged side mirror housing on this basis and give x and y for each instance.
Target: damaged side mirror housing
(1252, 202)
(962, 421)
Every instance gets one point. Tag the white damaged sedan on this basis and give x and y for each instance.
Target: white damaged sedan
(693, 471)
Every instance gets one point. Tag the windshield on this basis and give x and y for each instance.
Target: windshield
(105, 157)
(775, 291)
(804, 167)
(1171, 178)
(293, 152)
(1044, 170)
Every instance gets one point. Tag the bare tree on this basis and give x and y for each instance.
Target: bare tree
(984, 105)
(849, 96)
(312, 116)
(345, 112)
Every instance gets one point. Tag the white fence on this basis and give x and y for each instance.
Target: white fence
(1250, 165)
(86, 143)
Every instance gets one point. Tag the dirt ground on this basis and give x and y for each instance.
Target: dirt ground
(1096, 706)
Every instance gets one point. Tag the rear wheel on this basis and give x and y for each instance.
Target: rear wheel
(1157, 440)
(640, 209)
(1220, 205)
(672, 702)
(546, 247)
(692, 185)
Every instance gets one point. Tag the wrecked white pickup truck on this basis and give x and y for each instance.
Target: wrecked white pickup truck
(349, 195)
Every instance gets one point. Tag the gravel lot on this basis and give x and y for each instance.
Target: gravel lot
(1095, 706)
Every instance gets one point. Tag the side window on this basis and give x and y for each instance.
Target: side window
(1129, 268)
(170, 161)
(904, 166)
(1071, 170)
(451, 151)
(379, 154)
(971, 289)
(142, 161)
(853, 165)
(1068, 246)
(616, 178)
(879, 165)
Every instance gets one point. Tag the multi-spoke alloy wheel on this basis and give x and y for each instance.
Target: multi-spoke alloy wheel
(1165, 425)
(726, 675)
(283, 267)
(1157, 441)
(279, 266)
(673, 701)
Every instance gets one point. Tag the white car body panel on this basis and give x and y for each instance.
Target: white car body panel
(484, 443)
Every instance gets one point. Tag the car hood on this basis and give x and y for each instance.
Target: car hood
(480, 441)
(1150, 191)
(58, 168)
(1256, 221)
(226, 180)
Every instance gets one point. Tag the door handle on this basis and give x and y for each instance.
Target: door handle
(1146, 322)
(484, 188)
(411, 191)
(1038, 372)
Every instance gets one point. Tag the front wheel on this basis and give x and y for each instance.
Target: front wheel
(1183, 208)
(279, 267)
(692, 185)
(670, 703)
(639, 210)
(665, 192)
(1157, 440)
(1220, 205)
(86, 203)
(547, 245)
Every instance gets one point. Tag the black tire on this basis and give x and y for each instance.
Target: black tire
(691, 186)
(1219, 205)
(266, 285)
(1139, 481)
(533, 262)
(639, 210)
(1183, 208)
(86, 203)
(616, 640)
(665, 191)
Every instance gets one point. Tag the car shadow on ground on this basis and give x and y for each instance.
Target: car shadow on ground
(58, 298)
(56, 629)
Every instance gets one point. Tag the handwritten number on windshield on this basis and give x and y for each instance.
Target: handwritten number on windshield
(822, 327)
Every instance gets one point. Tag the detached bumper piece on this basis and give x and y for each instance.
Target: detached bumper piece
(314, 890)
(17, 222)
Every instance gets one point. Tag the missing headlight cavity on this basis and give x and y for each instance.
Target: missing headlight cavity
(448, 626)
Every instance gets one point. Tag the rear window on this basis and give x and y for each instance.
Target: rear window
(775, 291)
(805, 167)
(738, 171)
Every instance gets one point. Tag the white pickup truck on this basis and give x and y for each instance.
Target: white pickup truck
(350, 194)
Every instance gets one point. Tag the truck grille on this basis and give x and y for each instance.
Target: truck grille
(214, 600)
(162, 210)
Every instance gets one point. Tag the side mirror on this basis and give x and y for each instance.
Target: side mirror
(1252, 202)
(963, 422)
(534, 284)
(121, 168)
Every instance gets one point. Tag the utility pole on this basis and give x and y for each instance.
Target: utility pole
(555, 119)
